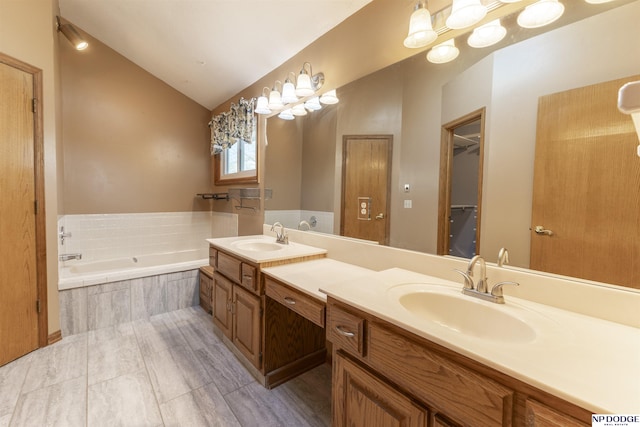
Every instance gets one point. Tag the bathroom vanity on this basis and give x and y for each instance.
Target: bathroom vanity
(257, 328)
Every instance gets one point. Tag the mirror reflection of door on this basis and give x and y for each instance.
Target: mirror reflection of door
(461, 186)
(586, 202)
(366, 178)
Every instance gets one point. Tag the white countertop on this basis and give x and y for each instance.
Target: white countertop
(590, 362)
(309, 276)
(279, 252)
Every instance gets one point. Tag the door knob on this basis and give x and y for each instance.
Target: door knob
(380, 216)
(541, 230)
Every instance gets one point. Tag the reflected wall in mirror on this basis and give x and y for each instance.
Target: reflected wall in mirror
(412, 99)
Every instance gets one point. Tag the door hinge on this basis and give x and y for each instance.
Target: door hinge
(38, 307)
(35, 207)
(261, 311)
(260, 357)
(34, 105)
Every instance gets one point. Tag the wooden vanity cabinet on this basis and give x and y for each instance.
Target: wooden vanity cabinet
(396, 374)
(272, 341)
(206, 288)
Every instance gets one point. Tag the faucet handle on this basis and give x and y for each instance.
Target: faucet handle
(496, 290)
(468, 281)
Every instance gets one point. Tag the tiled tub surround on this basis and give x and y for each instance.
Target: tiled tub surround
(291, 219)
(95, 307)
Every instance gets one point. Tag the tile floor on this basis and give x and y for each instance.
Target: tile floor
(169, 370)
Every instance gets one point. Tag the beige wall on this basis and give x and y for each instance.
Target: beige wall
(131, 143)
(27, 32)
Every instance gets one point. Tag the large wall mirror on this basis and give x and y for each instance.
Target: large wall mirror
(411, 100)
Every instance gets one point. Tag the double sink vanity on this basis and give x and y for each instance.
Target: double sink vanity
(412, 349)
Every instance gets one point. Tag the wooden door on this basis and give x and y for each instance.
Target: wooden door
(246, 324)
(22, 275)
(222, 298)
(360, 399)
(366, 180)
(587, 187)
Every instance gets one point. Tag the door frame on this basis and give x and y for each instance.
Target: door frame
(386, 137)
(39, 202)
(446, 168)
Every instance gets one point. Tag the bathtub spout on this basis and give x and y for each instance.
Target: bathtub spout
(67, 257)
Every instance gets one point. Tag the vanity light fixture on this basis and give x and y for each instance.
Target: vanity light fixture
(465, 13)
(421, 31)
(541, 13)
(444, 52)
(275, 99)
(286, 114)
(308, 83)
(72, 35)
(289, 91)
(487, 34)
(299, 110)
(313, 104)
(262, 105)
(329, 98)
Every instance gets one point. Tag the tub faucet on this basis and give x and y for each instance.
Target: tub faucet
(281, 237)
(304, 223)
(67, 257)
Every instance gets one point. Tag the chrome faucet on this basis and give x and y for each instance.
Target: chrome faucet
(281, 237)
(503, 257)
(62, 234)
(67, 257)
(481, 290)
(304, 223)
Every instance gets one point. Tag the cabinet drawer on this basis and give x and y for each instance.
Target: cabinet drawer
(345, 330)
(540, 415)
(302, 304)
(249, 277)
(229, 266)
(443, 383)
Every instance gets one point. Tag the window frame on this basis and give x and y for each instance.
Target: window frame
(241, 177)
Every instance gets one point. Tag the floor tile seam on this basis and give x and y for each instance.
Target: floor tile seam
(146, 370)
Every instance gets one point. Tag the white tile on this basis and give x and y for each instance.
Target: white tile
(202, 407)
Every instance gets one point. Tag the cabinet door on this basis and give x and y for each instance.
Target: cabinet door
(539, 415)
(246, 325)
(361, 399)
(222, 298)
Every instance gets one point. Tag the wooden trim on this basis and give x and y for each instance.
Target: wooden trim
(54, 337)
(254, 179)
(388, 137)
(446, 164)
(40, 217)
(295, 368)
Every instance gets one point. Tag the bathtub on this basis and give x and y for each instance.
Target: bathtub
(75, 274)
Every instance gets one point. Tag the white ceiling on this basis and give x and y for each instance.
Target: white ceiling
(208, 49)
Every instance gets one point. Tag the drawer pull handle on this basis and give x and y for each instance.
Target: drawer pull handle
(289, 300)
(344, 332)
(248, 277)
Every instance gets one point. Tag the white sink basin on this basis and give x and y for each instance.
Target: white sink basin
(257, 246)
(463, 314)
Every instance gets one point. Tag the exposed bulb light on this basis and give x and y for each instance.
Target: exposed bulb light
(286, 114)
(299, 110)
(487, 34)
(262, 105)
(465, 13)
(313, 104)
(289, 92)
(275, 99)
(541, 13)
(443, 52)
(71, 34)
(329, 97)
(421, 31)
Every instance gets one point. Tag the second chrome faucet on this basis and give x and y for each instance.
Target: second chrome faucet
(481, 288)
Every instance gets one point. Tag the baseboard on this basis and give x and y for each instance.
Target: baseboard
(54, 337)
